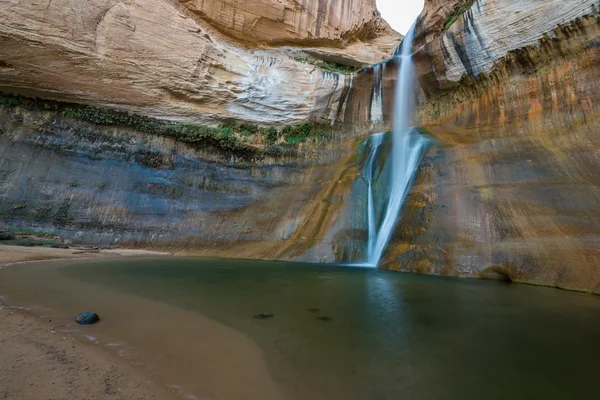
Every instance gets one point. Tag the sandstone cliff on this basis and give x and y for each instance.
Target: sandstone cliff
(96, 176)
(334, 22)
(509, 89)
(166, 58)
(113, 183)
(512, 90)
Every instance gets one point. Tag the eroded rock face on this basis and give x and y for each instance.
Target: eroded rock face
(111, 183)
(433, 19)
(293, 21)
(512, 90)
(487, 32)
(158, 58)
(115, 185)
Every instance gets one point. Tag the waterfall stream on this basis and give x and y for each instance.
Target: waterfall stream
(377, 96)
(407, 149)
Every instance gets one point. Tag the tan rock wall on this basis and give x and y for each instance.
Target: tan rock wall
(514, 189)
(433, 18)
(309, 21)
(487, 32)
(158, 58)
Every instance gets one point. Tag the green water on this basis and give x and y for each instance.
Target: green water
(344, 333)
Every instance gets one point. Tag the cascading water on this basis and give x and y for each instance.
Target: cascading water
(370, 176)
(377, 96)
(407, 149)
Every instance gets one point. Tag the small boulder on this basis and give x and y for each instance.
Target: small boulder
(87, 318)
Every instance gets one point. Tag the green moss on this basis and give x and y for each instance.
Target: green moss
(14, 101)
(43, 212)
(28, 232)
(248, 129)
(457, 12)
(229, 137)
(295, 134)
(329, 66)
(153, 159)
(274, 151)
(62, 216)
(27, 242)
(271, 134)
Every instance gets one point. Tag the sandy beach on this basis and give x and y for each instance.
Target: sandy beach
(67, 367)
(39, 363)
(16, 254)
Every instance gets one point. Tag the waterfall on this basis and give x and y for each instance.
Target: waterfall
(370, 176)
(407, 149)
(376, 112)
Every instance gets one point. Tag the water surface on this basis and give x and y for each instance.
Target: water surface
(337, 332)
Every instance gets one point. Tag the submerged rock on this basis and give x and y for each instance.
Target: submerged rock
(325, 319)
(87, 318)
(264, 316)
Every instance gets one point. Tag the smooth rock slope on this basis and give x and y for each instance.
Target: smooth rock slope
(188, 60)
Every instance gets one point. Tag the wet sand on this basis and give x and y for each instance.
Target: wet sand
(36, 363)
(184, 354)
(16, 254)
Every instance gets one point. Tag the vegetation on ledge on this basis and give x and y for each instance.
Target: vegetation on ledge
(29, 238)
(239, 138)
(457, 12)
(329, 66)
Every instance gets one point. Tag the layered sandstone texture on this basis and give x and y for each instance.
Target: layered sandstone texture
(512, 91)
(116, 185)
(334, 22)
(435, 16)
(188, 60)
(104, 181)
(487, 32)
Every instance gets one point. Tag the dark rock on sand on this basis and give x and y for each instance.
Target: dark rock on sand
(87, 318)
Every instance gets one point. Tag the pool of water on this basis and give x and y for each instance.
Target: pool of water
(335, 333)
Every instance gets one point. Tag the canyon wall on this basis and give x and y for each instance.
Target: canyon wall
(107, 184)
(93, 176)
(512, 92)
(166, 59)
(294, 21)
(509, 91)
(121, 146)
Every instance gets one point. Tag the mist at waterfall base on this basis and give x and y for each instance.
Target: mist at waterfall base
(391, 158)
